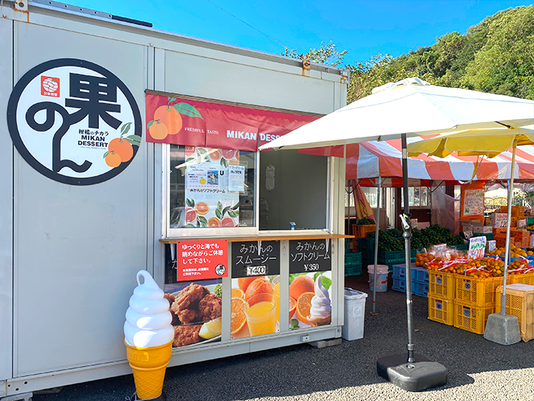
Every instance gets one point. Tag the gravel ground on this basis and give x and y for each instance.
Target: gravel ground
(477, 369)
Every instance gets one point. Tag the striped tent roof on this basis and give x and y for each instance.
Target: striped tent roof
(384, 159)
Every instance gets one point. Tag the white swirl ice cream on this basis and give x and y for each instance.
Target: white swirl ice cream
(321, 309)
(148, 320)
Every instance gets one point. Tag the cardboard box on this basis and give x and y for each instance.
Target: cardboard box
(478, 228)
(513, 221)
(467, 227)
(499, 219)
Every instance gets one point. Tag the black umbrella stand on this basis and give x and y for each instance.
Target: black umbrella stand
(410, 371)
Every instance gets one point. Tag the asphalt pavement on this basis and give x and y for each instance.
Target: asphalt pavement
(478, 369)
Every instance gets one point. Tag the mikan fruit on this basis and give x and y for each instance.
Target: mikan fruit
(170, 117)
(121, 147)
(244, 282)
(259, 286)
(292, 307)
(158, 130)
(190, 215)
(237, 293)
(228, 153)
(300, 285)
(214, 154)
(214, 222)
(113, 159)
(228, 222)
(190, 151)
(202, 208)
(238, 317)
(304, 306)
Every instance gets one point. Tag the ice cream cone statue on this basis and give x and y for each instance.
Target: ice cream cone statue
(321, 310)
(148, 336)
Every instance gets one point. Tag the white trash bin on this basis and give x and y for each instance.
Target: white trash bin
(354, 314)
(382, 272)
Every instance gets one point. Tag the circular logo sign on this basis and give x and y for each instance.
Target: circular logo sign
(74, 121)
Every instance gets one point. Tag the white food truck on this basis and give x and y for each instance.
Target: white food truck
(125, 148)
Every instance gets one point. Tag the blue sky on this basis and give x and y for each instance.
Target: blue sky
(363, 28)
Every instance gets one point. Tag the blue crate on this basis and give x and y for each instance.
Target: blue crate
(421, 288)
(399, 284)
(420, 274)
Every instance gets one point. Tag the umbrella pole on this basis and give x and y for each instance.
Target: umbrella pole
(418, 373)
(407, 234)
(377, 221)
(500, 327)
(507, 249)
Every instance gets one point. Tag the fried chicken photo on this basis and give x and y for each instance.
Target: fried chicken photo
(189, 298)
(194, 305)
(209, 307)
(186, 335)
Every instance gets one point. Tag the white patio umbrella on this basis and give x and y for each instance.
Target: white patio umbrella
(409, 108)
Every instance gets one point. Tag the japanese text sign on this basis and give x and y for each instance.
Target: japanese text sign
(202, 259)
(255, 258)
(477, 246)
(309, 256)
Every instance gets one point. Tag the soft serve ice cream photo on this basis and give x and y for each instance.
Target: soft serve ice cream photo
(311, 295)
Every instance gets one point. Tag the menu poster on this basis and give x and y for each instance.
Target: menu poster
(310, 280)
(202, 259)
(309, 256)
(255, 258)
(255, 288)
(209, 202)
(472, 202)
(195, 307)
(477, 247)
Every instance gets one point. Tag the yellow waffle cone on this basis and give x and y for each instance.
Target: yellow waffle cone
(148, 366)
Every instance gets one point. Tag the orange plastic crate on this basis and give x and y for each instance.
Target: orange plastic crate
(361, 231)
(441, 310)
(470, 317)
(441, 284)
(527, 278)
(477, 291)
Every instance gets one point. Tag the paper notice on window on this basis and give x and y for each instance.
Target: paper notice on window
(204, 177)
(236, 178)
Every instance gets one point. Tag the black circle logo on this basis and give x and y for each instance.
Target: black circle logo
(74, 121)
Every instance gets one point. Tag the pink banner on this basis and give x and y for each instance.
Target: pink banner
(196, 123)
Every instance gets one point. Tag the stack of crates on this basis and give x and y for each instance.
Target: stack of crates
(353, 264)
(441, 293)
(361, 231)
(474, 301)
(420, 284)
(519, 303)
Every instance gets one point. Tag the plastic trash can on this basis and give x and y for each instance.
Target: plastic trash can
(381, 277)
(354, 314)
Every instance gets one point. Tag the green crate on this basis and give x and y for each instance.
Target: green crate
(489, 236)
(462, 247)
(353, 264)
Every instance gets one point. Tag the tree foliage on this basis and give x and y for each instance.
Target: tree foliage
(496, 56)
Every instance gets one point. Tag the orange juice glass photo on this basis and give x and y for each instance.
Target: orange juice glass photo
(261, 314)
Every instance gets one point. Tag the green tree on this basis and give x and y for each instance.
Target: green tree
(325, 54)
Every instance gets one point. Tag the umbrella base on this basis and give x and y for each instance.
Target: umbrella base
(502, 329)
(411, 376)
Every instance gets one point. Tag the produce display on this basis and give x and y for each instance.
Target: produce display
(392, 240)
(450, 260)
(515, 252)
(365, 222)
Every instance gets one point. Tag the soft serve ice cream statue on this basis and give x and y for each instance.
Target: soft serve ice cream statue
(321, 309)
(148, 335)
(148, 320)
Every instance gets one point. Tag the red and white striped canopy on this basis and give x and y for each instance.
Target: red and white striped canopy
(384, 159)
